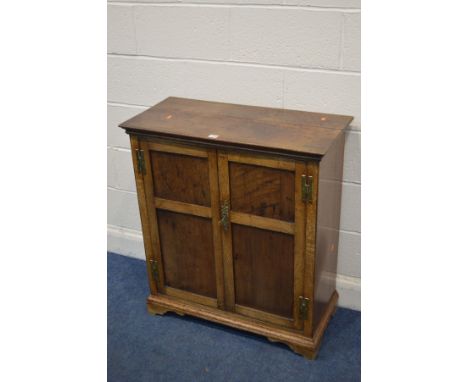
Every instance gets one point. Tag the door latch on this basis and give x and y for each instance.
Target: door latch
(225, 215)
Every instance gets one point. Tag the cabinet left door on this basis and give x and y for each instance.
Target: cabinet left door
(180, 185)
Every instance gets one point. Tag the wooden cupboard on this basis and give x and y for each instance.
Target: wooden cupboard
(240, 212)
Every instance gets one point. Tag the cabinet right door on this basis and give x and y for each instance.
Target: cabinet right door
(263, 224)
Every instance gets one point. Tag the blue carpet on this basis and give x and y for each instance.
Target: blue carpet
(142, 347)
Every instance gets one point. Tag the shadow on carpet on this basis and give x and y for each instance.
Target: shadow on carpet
(142, 347)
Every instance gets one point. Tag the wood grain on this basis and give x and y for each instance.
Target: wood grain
(181, 177)
(304, 345)
(187, 251)
(263, 160)
(264, 316)
(145, 223)
(177, 149)
(299, 242)
(228, 266)
(262, 191)
(263, 269)
(231, 319)
(290, 131)
(328, 227)
(152, 220)
(309, 255)
(185, 208)
(275, 247)
(260, 222)
(215, 212)
(193, 297)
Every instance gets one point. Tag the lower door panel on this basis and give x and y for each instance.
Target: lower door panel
(263, 269)
(187, 252)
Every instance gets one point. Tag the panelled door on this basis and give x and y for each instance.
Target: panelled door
(226, 230)
(181, 193)
(263, 226)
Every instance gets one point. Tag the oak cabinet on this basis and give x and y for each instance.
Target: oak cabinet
(240, 211)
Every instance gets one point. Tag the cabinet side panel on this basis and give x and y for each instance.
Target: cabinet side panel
(328, 225)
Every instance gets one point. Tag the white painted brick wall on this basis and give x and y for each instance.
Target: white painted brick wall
(121, 30)
(287, 37)
(351, 207)
(352, 164)
(297, 54)
(329, 92)
(349, 4)
(193, 32)
(351, 56)
(122, 209)
(120, 169)
(146, 81)
(116, 114)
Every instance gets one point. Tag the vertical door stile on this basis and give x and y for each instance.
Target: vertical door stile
(228, 265)
(217, 241)
(145, 224)
(309, 261)
(151, 208)
(299, 242)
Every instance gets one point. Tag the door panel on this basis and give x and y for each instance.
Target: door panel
(181, 187)
(263, 269)
(186, 266)
(181, 177)
(262, 191)
(263, 244)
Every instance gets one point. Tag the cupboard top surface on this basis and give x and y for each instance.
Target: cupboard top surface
(289, 131)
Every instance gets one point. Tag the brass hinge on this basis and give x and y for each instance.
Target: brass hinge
(141, 161)
(303, 307)
(307, 187)
(154, 269)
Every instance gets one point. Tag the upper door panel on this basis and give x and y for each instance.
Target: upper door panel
(181, 177)
(262, 191)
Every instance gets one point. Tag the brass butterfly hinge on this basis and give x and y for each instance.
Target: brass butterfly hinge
(303, 307)
(141, 161)
(154, 269)
(307, 187)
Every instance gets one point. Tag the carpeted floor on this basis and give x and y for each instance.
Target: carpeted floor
(142, 347)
